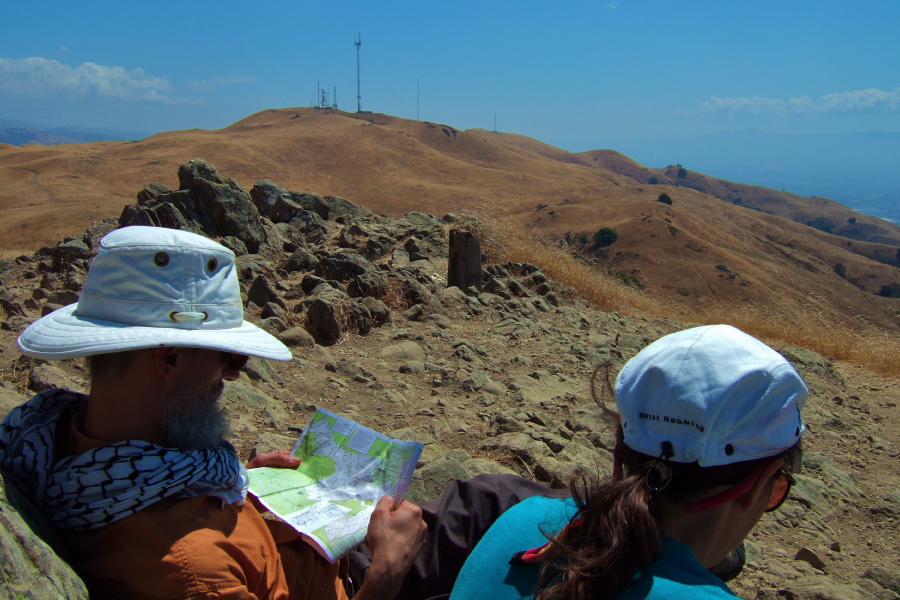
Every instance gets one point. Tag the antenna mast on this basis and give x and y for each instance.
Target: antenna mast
(358, 42)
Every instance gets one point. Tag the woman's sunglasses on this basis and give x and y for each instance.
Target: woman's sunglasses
(780, 491)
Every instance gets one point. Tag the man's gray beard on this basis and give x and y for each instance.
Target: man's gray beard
(192, 418)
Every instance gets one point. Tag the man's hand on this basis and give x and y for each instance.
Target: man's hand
(395, 538)
(275, 458)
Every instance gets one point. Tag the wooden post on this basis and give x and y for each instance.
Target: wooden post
(464, 266)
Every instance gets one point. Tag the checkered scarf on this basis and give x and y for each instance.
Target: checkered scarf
(103, 485)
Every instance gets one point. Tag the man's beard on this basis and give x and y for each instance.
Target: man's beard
(192, 418)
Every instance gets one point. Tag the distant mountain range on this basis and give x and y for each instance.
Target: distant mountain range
(19, 133)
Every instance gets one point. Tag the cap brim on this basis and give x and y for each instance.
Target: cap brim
(63, 334)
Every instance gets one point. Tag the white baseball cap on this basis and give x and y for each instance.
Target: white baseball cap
(715, 394)
(152, 286)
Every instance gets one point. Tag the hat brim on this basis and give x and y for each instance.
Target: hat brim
(63, 334)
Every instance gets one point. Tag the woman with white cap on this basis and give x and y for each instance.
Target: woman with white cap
(708, 436)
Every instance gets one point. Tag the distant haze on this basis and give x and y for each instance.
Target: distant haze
(856, 169)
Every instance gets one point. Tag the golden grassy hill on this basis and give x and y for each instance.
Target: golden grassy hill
(705, 251)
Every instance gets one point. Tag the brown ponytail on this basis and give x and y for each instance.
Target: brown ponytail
(618, 532)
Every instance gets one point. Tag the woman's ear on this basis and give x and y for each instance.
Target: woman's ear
(762, 486)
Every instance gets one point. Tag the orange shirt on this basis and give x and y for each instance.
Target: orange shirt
(193, 548)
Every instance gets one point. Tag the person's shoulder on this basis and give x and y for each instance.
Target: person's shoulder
(676, 574)
(541, 508)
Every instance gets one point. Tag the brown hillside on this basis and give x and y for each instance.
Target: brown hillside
(701, 251)
(821, 213)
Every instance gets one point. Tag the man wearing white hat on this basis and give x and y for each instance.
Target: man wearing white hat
(137, 475)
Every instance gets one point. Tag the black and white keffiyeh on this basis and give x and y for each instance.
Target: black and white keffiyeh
(103, 485)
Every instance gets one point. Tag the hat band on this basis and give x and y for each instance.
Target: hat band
(175, 315)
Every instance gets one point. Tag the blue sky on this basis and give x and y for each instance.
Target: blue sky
(579, 75)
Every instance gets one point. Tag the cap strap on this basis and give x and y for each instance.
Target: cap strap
(662, 469)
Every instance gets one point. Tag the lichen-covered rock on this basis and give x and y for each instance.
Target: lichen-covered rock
(28, 566)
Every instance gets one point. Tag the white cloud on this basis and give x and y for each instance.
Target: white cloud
(842, 102)
(40, 77)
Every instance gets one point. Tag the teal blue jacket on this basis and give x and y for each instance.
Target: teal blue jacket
(487, 574)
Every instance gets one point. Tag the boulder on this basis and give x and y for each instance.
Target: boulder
(342, 266)
(151, 192)
(408, 350)
(369, 283)
(223, 201)
(300, 260)
(67, 253)
(261, 293)
(323, 322)
(380, 312)
(296, 337)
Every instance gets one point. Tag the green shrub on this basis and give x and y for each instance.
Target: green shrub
(851, 221)
(890, 291)
(665, 199)
(682, 173)
(605, 236)
(841, 270)
(583, 239)
(653, 181)
(629, 280)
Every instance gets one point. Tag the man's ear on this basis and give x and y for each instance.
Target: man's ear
(761, 487)
(166, 361)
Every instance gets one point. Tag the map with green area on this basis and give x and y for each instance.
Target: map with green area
(346, 469)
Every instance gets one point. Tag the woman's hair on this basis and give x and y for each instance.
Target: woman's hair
(617, 529)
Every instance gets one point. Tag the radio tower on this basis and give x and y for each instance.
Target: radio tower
(357, 41)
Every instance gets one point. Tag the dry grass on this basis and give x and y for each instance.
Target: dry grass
(868, 347)
(864, 345)
(503, 241)
(394, 296)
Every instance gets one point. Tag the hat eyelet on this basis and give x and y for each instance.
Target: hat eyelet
(212, 264)
(729, 449)
(205, 314)
(161, 259)
(172, 316)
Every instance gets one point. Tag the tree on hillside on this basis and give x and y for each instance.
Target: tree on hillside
(890, 291)
(665, 199)
(682, 173)
(653, 181)
(605, 236)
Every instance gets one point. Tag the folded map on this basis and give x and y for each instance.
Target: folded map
(346, 468)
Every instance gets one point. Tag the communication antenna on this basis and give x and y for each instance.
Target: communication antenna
(495, 122)
(334, 99)
(417, 99)
(357, 41)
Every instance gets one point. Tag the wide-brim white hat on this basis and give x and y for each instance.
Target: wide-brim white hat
(151, 286)
(712, 395)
